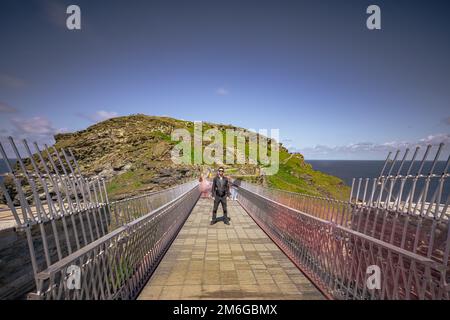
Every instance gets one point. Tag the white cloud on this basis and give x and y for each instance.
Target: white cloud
(104, 115)
(287, 143)
(436, 139)
(41, 140)
(36, 129)
(222, 91)
(98, 116)
(62, 130)
(35, 125)
(365, 148)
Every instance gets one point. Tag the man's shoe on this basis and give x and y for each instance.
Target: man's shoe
(213, 222)
(227, 222)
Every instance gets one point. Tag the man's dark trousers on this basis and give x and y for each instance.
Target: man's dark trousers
(223, 200)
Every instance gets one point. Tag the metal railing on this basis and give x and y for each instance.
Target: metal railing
(61, 211)
(129, 209)
(336, 258)
(407, 220)
(48, 186)
(407, 205)
(119, 264)
(336, 211)
(407, 186)
(399, 222)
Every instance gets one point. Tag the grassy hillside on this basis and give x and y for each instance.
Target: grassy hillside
(133, 154)
(298, 176)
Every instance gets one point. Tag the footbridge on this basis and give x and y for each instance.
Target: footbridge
(389, 240)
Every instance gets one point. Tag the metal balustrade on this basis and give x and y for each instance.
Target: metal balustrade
(413, 216)
(118, 265)
(129, 209)
(61, 211)
(48, 185)
(333, 210)
(403, 230)
(405, 187)
(398, 222)
(336, 258)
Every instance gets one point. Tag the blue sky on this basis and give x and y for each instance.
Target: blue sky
(335, 89)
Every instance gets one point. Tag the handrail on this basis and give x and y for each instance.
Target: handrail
(152, 192)
(359, 234)
(334, 256)
(117, 265)
(45, 274)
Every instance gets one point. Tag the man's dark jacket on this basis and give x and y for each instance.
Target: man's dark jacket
(220, 188)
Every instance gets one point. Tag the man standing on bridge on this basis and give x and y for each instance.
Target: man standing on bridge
(220, 191)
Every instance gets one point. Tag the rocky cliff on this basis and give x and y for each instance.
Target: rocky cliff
(133, 153)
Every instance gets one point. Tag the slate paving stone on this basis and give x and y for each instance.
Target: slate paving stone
(236, 261)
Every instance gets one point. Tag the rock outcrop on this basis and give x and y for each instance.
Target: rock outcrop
(133, 154)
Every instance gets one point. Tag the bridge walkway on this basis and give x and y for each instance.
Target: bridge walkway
(236, 261)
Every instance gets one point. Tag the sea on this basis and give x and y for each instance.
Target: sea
(349, 169)
(3, 167)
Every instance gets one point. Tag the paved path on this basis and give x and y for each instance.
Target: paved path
(238, 261)
(6, 219)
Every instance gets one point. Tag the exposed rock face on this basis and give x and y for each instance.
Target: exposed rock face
(117, 145)
(133, 153)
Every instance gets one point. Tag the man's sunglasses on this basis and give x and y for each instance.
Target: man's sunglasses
(220, 170)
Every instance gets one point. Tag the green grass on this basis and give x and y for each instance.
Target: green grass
(126, 183)
(297, 176)
(143, 141)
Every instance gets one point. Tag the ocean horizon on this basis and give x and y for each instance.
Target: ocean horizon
(349, 169)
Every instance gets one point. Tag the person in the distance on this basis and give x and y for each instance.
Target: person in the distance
(220, 191)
